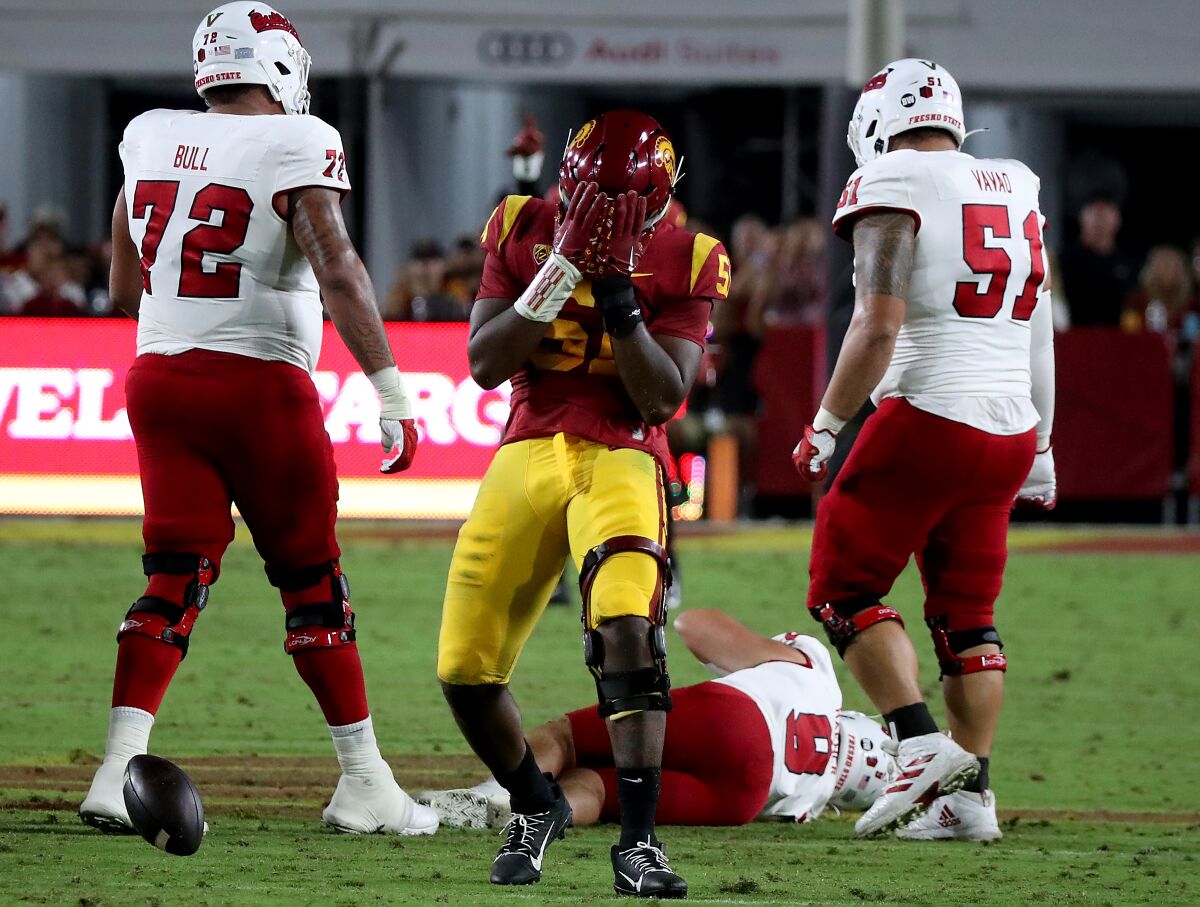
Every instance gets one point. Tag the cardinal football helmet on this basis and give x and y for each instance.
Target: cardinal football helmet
(864, 766)
(252, 44)
(622, 150)
(906, 94)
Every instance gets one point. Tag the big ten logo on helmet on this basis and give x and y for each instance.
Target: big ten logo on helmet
(521, 48)
(448, 412)
(664, 156)
(582, 135)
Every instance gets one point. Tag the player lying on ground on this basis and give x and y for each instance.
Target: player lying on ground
(952, 339)
(767, 739)
(598, 314)
(226, 235)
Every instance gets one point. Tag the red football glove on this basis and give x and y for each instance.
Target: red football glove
(399, 439)
(621, 251)
(812, 454)
(578, 229)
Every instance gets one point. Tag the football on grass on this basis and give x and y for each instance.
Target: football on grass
(164, 805)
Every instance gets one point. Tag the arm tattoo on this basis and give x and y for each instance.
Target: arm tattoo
(884, 247)
(345, 287)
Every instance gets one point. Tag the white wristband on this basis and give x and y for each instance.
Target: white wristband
(1043, 442)
(827, 421)
(549, 291)
(390, 388)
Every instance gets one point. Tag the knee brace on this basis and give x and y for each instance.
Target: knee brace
(844, 620)
(180, 616)
(656, 610)
(317, 603)
(640, 690)
(948, 643)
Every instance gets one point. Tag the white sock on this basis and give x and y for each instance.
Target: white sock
(128, 733)
(357, 751)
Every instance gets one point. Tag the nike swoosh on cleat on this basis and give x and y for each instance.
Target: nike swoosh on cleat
(637, 886)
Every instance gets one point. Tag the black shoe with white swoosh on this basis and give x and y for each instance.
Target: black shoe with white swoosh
(642, 871)
(527, 835)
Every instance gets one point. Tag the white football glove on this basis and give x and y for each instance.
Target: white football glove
(1040, 489)
(398, 431)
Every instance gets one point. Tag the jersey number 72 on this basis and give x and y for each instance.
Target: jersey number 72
(983, 259)
(155, 200)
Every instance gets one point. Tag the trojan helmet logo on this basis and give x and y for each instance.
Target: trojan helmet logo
(664, 156)
(582, 135)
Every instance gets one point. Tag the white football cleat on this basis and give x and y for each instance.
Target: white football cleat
(104, 805)
(376, 804)
(961, 816)
(465, 807)
(927, 767)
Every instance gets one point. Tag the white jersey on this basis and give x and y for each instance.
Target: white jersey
(801, 705)
(977, 286)
(221, 269)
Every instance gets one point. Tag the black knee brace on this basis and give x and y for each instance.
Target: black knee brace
(180, 618)
(947, 645)
(843, 620)
(324, 624)
(657, 610)
(640, 690)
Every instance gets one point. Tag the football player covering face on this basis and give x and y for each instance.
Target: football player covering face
(597, 313)
(951, 338)
(767, 739)
(226, 234)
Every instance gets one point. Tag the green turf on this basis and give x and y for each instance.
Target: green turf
(1101, 715)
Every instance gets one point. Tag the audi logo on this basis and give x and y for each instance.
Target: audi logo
(517, 48)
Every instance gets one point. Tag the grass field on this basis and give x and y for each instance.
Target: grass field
(1093, 767)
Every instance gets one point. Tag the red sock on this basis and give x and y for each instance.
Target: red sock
(335, 677)
(145, 667)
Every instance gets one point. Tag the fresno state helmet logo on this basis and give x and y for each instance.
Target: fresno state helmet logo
(582, 135)
(877, 81)
(272, 22)
(664, 156)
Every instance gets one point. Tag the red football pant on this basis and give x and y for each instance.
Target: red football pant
(213, 429)
(717, 759)
(916, 483)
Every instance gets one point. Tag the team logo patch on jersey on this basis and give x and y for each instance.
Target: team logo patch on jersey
(664, 156)
(541, 252)
(272, 22)
(584, 131)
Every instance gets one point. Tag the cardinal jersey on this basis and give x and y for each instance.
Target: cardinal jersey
(221, 269)
(963, 352)
(570, 384)
(800, 704)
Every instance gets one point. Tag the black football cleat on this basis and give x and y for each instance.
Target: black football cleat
(642, 871)
(527, 835)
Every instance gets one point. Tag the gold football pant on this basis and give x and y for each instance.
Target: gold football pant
(540, 501)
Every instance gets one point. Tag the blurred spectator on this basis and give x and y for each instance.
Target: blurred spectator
(1166, 295)
(420, 292)
(1097, 275)
(464, 269)
(43, 286)
(800, 278)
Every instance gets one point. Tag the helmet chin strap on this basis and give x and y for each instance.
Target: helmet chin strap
(971, 133)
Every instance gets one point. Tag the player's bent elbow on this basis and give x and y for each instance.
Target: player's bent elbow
(484, 372)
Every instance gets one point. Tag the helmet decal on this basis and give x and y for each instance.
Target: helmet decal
(664, 156)
(272, 21)
(582, 135)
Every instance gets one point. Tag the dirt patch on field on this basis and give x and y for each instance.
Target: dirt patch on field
(1125, 544)
(296, 786)
(239, 785)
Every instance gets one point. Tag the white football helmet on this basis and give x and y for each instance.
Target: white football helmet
(864, 766)
(906, 94)
(252, 44)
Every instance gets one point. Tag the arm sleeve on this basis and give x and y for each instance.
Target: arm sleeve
(1041, 367)
(885, 184)
(498, 281)
(311, 154)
